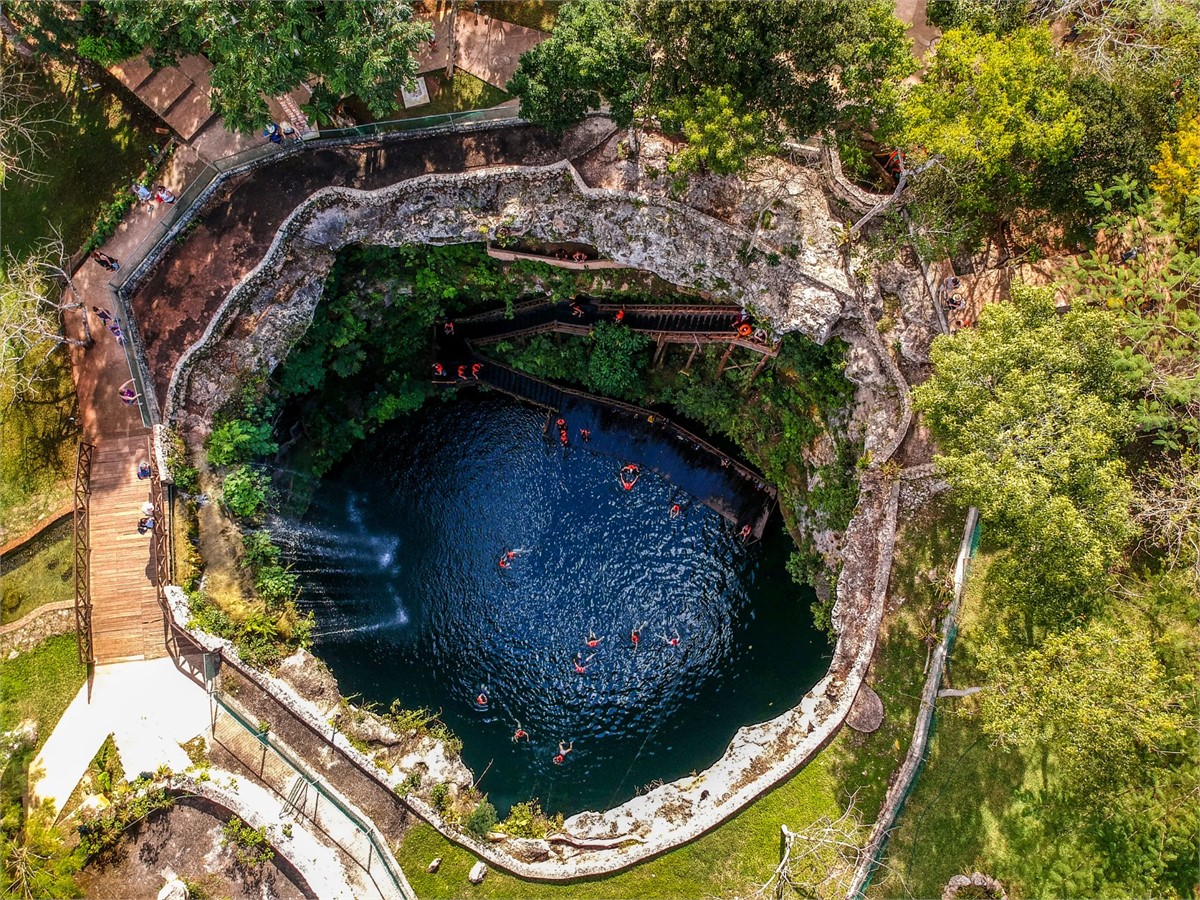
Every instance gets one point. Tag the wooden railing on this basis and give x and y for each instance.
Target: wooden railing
(83, 595)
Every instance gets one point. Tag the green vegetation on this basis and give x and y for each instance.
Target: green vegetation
(38, 574)
(784, 67)
(729, 861)
(251, 849)
(463, 92)
(41, 426)
(1076, 437)
(1028, 412)
(526, 820)
(36, 686)
(368, 48)
(40, 685)
(537, 14)
(94, 143)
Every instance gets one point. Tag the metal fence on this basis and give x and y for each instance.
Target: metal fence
(303, 793)
(176, 218)
(926, 725)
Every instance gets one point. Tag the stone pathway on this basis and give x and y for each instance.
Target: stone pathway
(149, 707)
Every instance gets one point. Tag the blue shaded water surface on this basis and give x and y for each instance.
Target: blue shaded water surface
(399, 560)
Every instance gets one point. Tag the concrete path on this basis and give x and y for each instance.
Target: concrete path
(149, 707)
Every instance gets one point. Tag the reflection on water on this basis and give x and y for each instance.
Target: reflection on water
(399, 560)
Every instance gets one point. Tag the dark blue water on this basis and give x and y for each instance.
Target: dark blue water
(399, 561)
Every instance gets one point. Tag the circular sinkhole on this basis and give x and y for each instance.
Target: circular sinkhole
(399, 557)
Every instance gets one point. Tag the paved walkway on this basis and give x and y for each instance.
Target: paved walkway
(149, 707)
(485, 47)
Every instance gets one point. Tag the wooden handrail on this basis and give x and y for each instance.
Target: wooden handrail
(81, 526)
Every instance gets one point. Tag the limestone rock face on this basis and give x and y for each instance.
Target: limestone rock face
(173, 890)
(804, 290)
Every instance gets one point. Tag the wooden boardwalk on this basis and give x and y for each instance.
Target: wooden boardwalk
(127, 622)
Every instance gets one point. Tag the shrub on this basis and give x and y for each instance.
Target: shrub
(481, 819)
(526, 820)
(245, 492)
(250, 846)
(439, 796)
(239, 441)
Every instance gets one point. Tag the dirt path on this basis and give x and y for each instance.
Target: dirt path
(174, 304)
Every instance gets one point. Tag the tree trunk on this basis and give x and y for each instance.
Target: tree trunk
(725, 359)
(21, 47)
(451, 38)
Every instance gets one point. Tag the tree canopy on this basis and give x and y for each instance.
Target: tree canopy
(258, 47)
(798, 66)
(1029, 414)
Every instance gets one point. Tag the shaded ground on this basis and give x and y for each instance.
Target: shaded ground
(176, 302)
(38, 573)
(464, 91)
(186, 839)
(99, 141)
(38, 439)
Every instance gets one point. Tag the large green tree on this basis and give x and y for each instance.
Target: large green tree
(1029, 416)
(802, 65)
(267, 48)
(597, 54)
(995, 109)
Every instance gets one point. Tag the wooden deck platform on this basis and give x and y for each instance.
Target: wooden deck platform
(127, 622)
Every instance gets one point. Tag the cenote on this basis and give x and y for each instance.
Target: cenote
(398, 557)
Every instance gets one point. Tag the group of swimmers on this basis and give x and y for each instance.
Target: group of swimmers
(580, 665)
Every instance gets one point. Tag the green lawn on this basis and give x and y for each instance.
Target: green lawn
(98, 143)
(40, 685)
(39, 437)
(463, 92)
(539, 14)
(728, 862)
(927, 542)
(40, 574)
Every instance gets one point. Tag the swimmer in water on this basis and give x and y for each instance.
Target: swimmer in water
(635, 636)
(520, 733)
(481, 700)
(593, 641)
(507, 557)
(585, 434)
(672, 641)
(562, 752)
(676, 509)
(581, 664)
(744, 534)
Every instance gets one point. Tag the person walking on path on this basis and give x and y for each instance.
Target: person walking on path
(141, 192)
(127, 394)
(105, 261)
(103, 315)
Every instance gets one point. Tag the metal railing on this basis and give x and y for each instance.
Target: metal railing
(174, 220)
(81, 526)
(364, 843)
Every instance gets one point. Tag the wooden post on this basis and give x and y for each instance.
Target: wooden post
(662, 344)
(725, 358)
(692, 356)
(762, 362)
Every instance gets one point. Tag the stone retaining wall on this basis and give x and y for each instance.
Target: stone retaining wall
(270, 310)
(30, 630)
